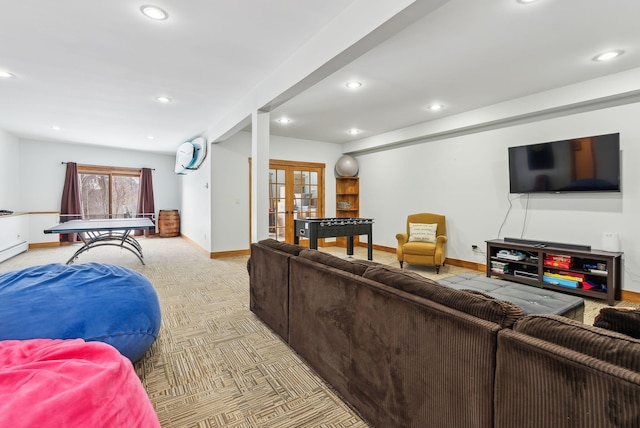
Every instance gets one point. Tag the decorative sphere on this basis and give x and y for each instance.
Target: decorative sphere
(347, 166)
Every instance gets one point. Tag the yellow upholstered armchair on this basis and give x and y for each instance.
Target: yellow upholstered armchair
(424, 242)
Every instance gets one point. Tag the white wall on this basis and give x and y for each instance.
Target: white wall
(195, 206)
(9, 191)
(230, 183)
(466, 179)
(41, 176)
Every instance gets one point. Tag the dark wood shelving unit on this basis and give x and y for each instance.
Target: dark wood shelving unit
(531, 269)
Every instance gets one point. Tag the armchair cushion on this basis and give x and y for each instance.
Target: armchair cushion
(422, 232)
(419, 248)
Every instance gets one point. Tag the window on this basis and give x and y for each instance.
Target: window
(107, 192)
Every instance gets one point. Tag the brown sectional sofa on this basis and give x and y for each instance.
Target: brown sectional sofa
(405, 351)
(556, 372)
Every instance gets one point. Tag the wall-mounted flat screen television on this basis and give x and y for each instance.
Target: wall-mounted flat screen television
(587, 164)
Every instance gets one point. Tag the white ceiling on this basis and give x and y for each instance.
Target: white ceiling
(94, 68)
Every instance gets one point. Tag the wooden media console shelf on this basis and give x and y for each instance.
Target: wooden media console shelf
(583, 272)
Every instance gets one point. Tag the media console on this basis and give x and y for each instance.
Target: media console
(560, 267)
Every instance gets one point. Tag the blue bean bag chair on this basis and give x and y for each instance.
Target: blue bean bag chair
(90, 301)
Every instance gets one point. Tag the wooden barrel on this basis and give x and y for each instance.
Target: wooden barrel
(168, 223)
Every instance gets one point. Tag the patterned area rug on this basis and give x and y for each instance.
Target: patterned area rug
(215, 364)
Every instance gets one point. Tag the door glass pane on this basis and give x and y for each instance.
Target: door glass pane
(277, 207)
(313, 194)
(305, 194)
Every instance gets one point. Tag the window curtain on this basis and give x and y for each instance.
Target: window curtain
(146, 206)
(70, 208)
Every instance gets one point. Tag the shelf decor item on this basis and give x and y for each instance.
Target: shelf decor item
(347, 166)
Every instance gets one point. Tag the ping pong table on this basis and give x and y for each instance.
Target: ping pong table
(99, 232)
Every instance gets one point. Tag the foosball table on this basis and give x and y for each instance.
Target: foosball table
(316, 228)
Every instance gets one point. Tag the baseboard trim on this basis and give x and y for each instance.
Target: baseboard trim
(234, 253)
(194, 244)
(44, 245)
(480, 267)
(630, 296)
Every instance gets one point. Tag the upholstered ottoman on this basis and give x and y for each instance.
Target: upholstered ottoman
(531, 299)
(90, 301)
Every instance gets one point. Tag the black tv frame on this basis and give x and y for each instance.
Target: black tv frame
(545, 160)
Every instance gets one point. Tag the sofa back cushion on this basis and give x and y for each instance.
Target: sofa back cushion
(482, 306)
(269, 284)
(292, 249)
(356, 267)
(599, 343)
(622, 320)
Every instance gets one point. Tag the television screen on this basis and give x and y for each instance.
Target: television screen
(588, 164)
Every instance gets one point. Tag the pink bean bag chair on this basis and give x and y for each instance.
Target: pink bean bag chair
(70, 383)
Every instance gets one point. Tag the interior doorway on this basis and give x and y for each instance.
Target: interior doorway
(296, 190)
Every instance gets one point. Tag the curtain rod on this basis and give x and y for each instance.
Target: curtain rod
(102, 166)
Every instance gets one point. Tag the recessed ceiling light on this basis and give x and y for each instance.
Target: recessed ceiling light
(55, 127)
(163, 100)
(436, 107)
(526, 1)
(606, 56)
(149, 137)
(353, 85)
(154, 12)
(6, 74)
(284, 120)
(354, 131)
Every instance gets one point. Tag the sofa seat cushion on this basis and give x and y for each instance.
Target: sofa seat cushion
(605, 345)
(500, 312)
(419, 248)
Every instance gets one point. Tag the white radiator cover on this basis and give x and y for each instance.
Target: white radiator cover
(13, 250)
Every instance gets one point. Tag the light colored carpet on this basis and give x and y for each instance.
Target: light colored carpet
(215, 364)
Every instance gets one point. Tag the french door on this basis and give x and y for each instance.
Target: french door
(296, 190)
